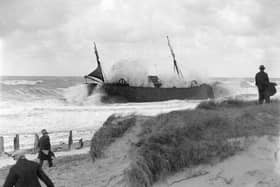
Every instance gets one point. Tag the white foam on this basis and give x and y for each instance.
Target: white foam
(20, 82)
(71, 109)
(31, 117)
(75, 94)
(240, 89)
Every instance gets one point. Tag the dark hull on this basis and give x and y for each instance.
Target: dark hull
(90, 88)
(150, 94)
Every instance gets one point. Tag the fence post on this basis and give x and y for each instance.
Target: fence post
(16, 142)
(36, 143)
(1, 145)
(70, 140)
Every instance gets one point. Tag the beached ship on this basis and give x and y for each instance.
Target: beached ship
(121, 89)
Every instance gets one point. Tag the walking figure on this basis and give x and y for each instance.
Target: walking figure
(26, 173)
(45, 152)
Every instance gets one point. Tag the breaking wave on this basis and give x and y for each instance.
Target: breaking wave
(78, 95)
(73, 95)
(21, 82)
(29, 93)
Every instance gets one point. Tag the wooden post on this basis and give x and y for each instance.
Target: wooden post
(36, 143)
(16, 142)
(1, 145)
(70, 140)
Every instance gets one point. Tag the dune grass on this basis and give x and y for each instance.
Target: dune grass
(228, 103)
(170, 142)
(114, 127)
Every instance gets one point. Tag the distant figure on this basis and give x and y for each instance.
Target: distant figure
(26, 173)
(262, 82)
(45, 152)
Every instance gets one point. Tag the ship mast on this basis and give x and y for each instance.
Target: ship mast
(96, 54)
(176, 68)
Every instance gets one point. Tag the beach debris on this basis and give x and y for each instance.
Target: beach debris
(81, 143)
(224, 179)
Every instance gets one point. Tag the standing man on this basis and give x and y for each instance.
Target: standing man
(45, 152)
(26, 173)
(262, 82)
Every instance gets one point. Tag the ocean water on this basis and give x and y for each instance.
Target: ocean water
(60, 104)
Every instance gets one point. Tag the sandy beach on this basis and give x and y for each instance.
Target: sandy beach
(256, 166)
(76, 169)
(254, 163)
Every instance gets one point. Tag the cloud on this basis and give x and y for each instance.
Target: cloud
(238, 17)
(1, 56)
(206, 35)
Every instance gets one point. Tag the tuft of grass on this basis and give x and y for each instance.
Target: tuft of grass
(170, 142)
(229, 103)
(114, 127)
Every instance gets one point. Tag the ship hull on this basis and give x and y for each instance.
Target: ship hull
(150, 94)
(90, 88)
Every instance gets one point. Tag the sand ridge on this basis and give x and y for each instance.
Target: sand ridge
(258, 165)
(109, 170)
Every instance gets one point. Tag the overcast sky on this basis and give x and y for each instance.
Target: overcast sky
(214, 37)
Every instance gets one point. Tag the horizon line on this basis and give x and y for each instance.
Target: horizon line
(83, 76)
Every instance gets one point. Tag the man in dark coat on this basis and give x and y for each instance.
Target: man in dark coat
(26, 173)
(262, 82)
(45, 152)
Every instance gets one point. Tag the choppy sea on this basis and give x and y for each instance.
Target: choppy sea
(60, 104)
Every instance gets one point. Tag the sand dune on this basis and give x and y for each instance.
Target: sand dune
(258, 165)
(255, 163)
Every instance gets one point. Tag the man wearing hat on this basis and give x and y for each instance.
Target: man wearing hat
(262, 82)
(45, 152)
(26, 173)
